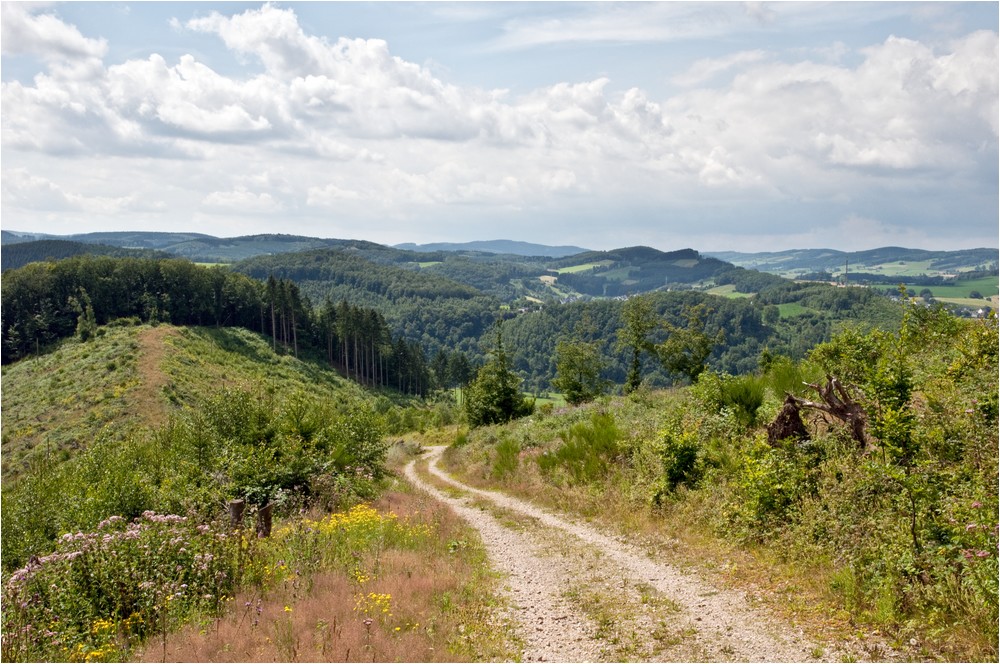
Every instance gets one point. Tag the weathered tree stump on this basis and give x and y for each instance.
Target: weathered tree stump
(788, 424)
(264, 520)
(236, 510)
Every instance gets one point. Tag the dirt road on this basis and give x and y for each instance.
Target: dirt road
(581, 595)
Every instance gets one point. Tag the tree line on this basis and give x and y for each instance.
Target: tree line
(45, 302)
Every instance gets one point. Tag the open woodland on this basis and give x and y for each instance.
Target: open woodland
(831, 449)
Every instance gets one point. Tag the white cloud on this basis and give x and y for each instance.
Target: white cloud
(330, 195)
(44, 35)
(706, 68)
(346, 125)
(23, 190)
(241, 200)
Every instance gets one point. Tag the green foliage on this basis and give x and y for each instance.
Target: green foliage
(238, 445)
(506, 458)
(100, 593)
(586, 450)
(86, 323)
(638, 321)
(494, 396)
(578, 367)
(741, 395)
(686, 349)
(768, 488)
(681, 458)
(744, 395)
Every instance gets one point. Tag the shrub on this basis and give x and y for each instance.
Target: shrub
(99, 592)
(586, 449)
(744, 395)
(506, 459)
(682, 465)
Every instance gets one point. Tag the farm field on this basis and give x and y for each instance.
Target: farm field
(728, 290)
(583, 268)
(987, 287)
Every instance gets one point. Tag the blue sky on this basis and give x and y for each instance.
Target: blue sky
(716, 126)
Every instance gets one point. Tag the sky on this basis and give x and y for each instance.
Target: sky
(715, 126)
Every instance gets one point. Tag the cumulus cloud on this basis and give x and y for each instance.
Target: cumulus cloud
(44, 35)
(24, 190)
(241, 200)
(346, 123)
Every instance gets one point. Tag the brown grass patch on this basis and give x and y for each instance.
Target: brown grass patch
(149, 395)
(438, 601)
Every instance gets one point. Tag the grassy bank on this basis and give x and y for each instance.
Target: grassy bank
(896, 540)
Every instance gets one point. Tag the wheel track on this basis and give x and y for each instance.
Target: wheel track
(720, 624)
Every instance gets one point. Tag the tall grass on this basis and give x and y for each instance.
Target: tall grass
(400, 580)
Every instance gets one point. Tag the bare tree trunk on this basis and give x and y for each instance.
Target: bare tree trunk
(236, 508)
(264, 520)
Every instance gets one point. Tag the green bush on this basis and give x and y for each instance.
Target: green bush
(744, 395)
(101, 592)
(586, 449)
(506, 458)
(682, 463)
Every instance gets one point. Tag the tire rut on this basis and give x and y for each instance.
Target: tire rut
(708, 623)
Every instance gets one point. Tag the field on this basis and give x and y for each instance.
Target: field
(729, 290)
(986, 286)
(582, 268)
(792, 309)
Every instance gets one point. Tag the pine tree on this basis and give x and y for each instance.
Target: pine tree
(494, 396)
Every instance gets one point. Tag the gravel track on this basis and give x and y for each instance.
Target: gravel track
(693, 621)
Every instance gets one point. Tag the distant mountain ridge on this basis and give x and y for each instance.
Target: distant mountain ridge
(513, 247)
(201, 247)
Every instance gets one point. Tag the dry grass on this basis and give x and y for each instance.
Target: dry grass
(431, 604)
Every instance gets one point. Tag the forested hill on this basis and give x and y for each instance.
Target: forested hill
(19, 254)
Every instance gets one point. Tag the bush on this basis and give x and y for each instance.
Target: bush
(682, 465)
(586, 449)
(506, 459)
(744, 395)
(72, 604)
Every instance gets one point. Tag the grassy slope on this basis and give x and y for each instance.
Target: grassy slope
(805, 590)
(135, 376)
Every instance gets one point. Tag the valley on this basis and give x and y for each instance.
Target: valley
(144, 393)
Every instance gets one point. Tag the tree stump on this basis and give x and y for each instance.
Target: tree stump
(838, 402)
(236, 510)
(788, 424)
(264, 520)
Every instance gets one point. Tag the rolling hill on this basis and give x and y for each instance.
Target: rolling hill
(138, 376)
(497, 247)
(891, 261)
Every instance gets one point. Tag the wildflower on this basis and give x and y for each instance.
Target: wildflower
(288, 609)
